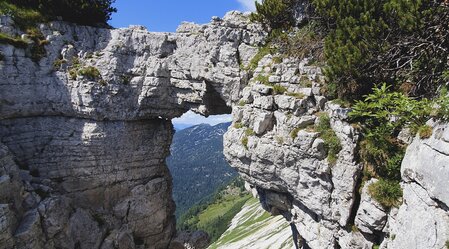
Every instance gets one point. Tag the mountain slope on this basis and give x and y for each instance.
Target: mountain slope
(197, 164)
(253, 227)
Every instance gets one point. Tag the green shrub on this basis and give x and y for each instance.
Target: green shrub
(90, 72)
(383, 106)
(85, 12)
(307, 41)
(242, 103)
(275, 13)
(447, 244)
(332, 143)
(374, 41)
(26, 19)
(425, 131)
(382, 115)
(386, 192)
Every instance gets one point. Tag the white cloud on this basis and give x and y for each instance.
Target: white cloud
(248, 5)
(191, 118)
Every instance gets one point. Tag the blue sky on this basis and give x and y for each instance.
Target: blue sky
(165, 16)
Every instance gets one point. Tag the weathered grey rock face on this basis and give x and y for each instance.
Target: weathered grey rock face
(422, 221)
(82, 156)
(285, 157)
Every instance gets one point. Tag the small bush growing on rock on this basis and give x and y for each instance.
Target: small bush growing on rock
(275, 13)
(307, 41)
(382, 115)
(447, 244)
(26, 19)
(242, 103)
(90, 72)
(386, 192)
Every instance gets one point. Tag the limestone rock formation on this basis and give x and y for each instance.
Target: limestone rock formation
(276, 149)
(285, 158)
(422, 221)
(85, 130)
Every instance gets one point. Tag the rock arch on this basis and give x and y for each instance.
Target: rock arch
(82, 156)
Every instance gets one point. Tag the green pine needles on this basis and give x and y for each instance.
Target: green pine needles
(276, 13)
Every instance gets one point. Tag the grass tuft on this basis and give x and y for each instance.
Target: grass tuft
(14, 41)
(278, 89)
(331, 141)
(90, 72)
(386, 192)
(296, 95)
(245, 142)
(425, 131)
(238, 125)
(249, 132)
